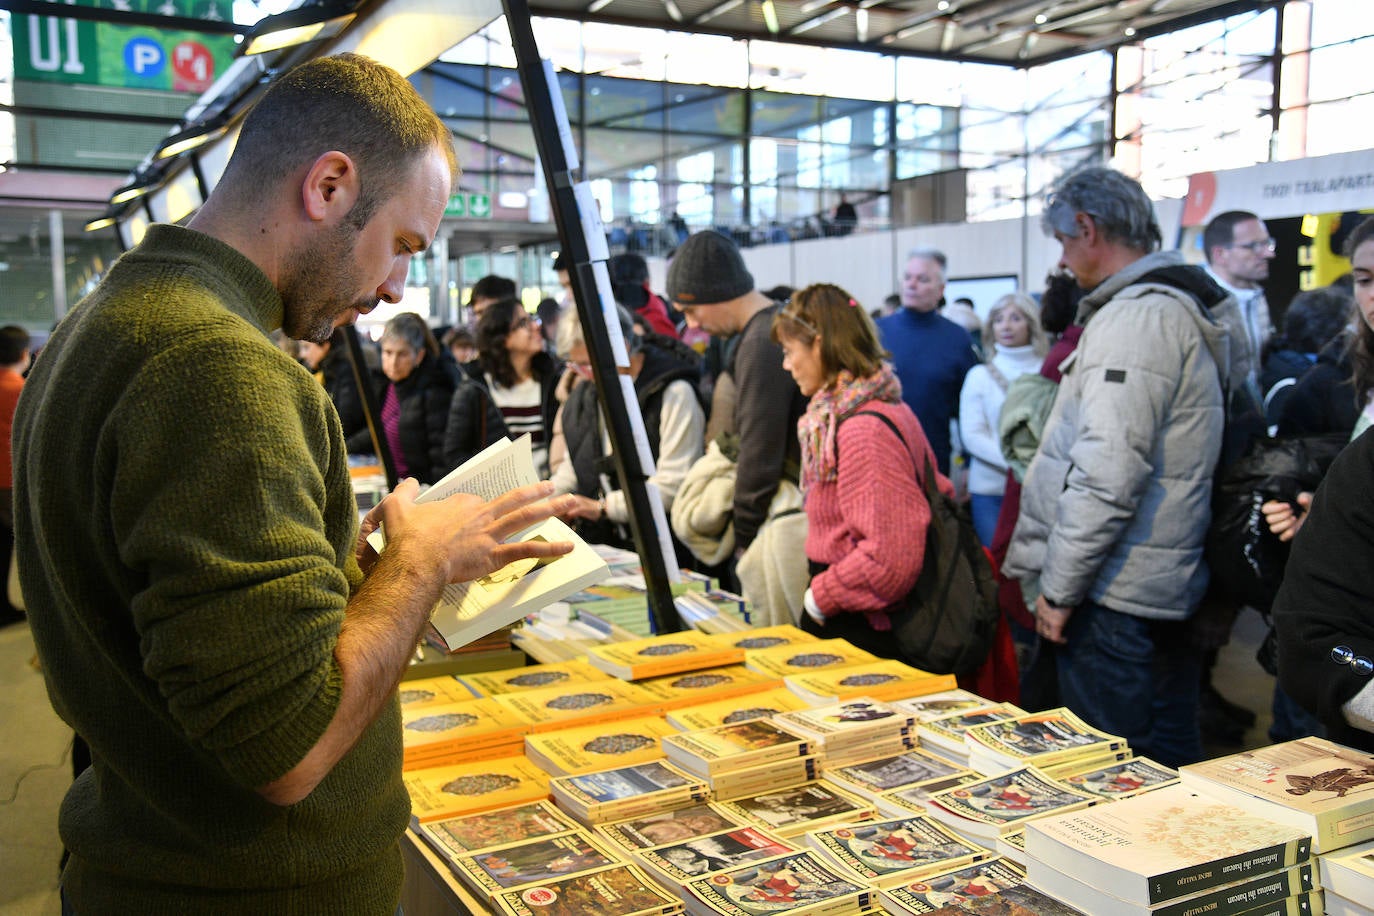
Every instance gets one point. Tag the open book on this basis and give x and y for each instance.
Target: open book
(470, 610)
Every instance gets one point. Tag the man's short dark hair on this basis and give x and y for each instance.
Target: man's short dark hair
(1118, 205)
(1315, 317)
(493, 287)
(14, 341)
(348, 103)
(1221, 230)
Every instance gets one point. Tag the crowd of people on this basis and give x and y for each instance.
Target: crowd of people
(213, 623)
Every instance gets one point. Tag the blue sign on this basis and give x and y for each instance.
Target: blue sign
(144, 57)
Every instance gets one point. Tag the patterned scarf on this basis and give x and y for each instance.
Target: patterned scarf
(830, 405)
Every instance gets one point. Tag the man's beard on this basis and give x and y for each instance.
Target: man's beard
(315, 281)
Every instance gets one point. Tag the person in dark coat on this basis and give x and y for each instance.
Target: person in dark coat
(413, 391)
(1313, 319)
(474, 421)
(329, 362)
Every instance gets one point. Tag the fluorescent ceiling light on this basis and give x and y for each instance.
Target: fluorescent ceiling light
(192, 137)
(295, 27)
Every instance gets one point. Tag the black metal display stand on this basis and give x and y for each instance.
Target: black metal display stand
(583, 241)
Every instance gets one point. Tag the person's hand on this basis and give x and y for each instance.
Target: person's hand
(1283, 520)
(584, 507)
(466, 534)
(1050, 620)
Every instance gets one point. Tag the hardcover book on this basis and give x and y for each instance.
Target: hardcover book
(1004, 802)
(1122, 779)
(797, 883)
(691, 688)
(671, 653)
(470, 610)
(623, 792)
(803, 658)
(566, 706)
(1161, 845)
(677, 863)
(619, 890)
(530, 861)
(1038, 738)
(1318, 786)
(532, 677)
(438, 793)
(1268, 889)
(894, 851)
(732, 747)
(881, 680)
(794, 811)
(601, 746)
(738, 709)
(929, 893)
(666, 826)
(458, 836)
(764, 637)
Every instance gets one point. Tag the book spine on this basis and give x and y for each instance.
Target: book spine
(1243, 897)
(1225, 871)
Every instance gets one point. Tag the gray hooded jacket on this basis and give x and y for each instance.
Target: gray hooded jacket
(1116, 503)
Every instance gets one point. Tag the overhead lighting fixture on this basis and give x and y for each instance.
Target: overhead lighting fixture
(770, 16)
(139, 187)
(314, 22)
(192, 137)
(102, 222)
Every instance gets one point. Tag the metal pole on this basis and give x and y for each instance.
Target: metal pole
(59, 264)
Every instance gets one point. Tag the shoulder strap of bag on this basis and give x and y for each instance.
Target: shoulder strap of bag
(926, 481)
(997, 376)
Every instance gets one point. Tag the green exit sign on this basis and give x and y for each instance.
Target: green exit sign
(470, 204)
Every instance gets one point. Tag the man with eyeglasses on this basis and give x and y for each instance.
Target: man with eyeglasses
(1238, 249)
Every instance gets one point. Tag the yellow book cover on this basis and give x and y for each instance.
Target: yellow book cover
(458, 753)
(429, 690)
(1005, 802)
(732, 747)
(690, 688)
(670, 653)
(600, 746)
(799, 809)
(442, 792)
(617, 890)
(759, 705)
(552, 708)
(1039, 738)
(531, 677)
(783, 634)
(786, 660)
(882, 680)
(474, 723)
(1121, 779)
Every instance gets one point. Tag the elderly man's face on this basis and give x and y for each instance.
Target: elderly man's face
(923, 285)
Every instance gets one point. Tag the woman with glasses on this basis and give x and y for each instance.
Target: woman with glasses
(864, 456)
(519, 374)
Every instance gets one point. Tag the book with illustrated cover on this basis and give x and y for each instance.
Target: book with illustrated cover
(1021, 900)
(530, 861)
(884, 679)
(642, 788)
(760, 705)
(780, 774)
(691, 688)
(1318, 786)
(1266, 890)
(763, 637)
(1122, 779)
(945, 735)
(860, 720)
(438, 793)
(458, 836)
(732, 747)
(600, 746)
(567, 706)
(1077, 766)
(1036, 738)
(796, 883)
(938, 705)
(618, 890)
(884, 774)
(894, 851)
(531, 677)
(470, 610)
(1350, 872)
(912, 799)
(794, 811)
(1161, 845)
(677, 863)
(929, 893)
(432, 690)
(453, 729)
(666, 826)
(806, 657)
(670, 653)
(1004, 802)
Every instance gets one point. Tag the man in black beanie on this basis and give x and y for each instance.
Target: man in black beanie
(708, 282)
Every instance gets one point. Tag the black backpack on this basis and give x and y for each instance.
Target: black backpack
(948, 621)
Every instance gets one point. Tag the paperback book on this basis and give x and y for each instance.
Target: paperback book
(803, 658)
(1162, 845)
(1269, 889)
(945, 735)
(1122, 779)
(780, 774)
(439, 793)
(994, 804)
(566, 706)
(667, 826)
(1012, 845)
(792, 812)
(600, 746)
(929, 893)
(457, 730)
(529, 862)
(674, 691)
(764, 637)
(470, 610)
(677, 863)
(458, 836)
(894, 851)
(884, 774)
(796, 883)
(760, 705)
(1037, 739)
(911, 800)
(860, 720)
(881, 680)
(432, 690)
(609, 795)
(941, 704)
(619, 890)
(1350, 873)
(732, 747)
(532, 677)
(1318, 786)
(1020, 900)
(672, 653)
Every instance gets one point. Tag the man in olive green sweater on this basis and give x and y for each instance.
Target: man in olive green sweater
(208, 616)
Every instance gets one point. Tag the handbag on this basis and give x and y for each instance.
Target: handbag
(947, 623)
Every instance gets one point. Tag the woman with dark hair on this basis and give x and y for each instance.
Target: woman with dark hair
(864, 456)
(413, 392)
(519, 374)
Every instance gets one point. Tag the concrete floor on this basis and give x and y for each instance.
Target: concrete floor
(35, 759)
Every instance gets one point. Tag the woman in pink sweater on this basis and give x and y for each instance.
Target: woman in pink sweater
(861, 447)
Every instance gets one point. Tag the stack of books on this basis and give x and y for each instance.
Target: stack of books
(944, 703)
(758, 705)
(578, 703)
(458, 836)
(908, 770)
(757, 638)
(427, 691)
(1121, 779)
(881, 680)
(944, 735)
(675, 864)
(1170, 852)
(598, 746)
(655, 656)
(473, 729)
(743, 758)
(985, 808)
(612, 795)
(693, 688)
(800, 809)
(796, 882)
(947, 890)
(1348, 880)
(1042, 739)
(892, 852)
(453, 790)
(805, 658)
(713, 611)
(858, 729)
(665, 827)
(529, 677)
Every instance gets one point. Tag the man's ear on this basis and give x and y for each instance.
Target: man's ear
(330, 188)
(1087, 227)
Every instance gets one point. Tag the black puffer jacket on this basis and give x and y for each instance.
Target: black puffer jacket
(343, 391)
(474, 421)
(1323, 400)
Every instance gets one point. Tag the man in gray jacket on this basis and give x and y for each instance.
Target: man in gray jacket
(1115, 505)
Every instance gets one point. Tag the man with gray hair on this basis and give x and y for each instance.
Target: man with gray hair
(930, 353)
(1115, 505)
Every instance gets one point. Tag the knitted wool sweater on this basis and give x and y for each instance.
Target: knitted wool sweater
(186, 530)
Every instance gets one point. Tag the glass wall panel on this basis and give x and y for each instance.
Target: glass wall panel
(623, 103)
(777, 114)
(454, 90)
(699, 109)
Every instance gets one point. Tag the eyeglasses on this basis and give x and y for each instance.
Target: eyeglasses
(1344, 655)
(524, 321)
(1258, 246)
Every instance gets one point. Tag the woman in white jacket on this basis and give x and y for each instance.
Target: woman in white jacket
(1015, 344)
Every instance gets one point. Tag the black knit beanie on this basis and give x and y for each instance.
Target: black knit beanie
(708, 269)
